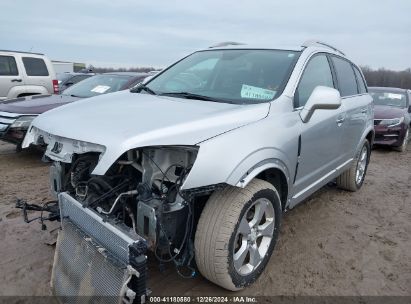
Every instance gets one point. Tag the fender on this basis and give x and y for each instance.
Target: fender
(367, 130)
(244, 159)
(250, 166)
(29, 89)
(251, 173)
(236, 171)
(271, 163)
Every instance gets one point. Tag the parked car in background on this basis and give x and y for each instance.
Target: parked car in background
(66, 80)
(392, 120)
(24, 74)
(200, 162)
(17, 114)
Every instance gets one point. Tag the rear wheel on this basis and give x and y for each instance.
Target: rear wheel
(404, 144)
(236, 234)
(353, 178)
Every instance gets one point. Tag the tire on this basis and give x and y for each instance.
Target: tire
(349, 179)
(219, 234)
(404, 144)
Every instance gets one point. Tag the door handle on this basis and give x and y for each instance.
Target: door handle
(16, 80)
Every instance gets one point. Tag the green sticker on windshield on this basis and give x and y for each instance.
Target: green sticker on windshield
(251, 92)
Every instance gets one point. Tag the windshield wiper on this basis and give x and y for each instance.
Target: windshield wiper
(142, 87)
(188, 95)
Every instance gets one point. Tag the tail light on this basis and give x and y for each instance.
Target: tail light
(56, 86)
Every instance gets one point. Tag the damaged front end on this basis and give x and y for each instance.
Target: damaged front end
(109, 221)
(97, 258)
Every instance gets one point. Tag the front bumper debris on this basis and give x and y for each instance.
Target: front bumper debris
(95, 259)
(59, 148)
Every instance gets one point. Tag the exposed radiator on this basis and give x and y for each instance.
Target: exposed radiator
(96, 261)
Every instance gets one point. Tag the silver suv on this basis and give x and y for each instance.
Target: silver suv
(199, 163)
(24, 74)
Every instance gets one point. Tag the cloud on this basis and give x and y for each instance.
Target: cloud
(158, 32)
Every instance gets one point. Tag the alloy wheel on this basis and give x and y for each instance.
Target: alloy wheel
(254, 236)
(361, 165)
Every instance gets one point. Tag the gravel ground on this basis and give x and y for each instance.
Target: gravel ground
(335, 243)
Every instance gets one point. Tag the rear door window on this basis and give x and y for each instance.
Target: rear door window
(8, 66)
(316, 73)
(35, 66)
(347, 82)
(362, 88)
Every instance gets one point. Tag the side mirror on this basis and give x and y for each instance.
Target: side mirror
(322, 98)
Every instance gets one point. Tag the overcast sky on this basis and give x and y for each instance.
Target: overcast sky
(125, 33)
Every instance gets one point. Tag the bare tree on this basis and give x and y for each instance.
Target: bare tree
(375, 78)
(387, 78)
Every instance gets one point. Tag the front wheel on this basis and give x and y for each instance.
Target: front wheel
(236, 234)
(353, 178)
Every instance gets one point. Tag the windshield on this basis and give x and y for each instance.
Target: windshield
(97, 85)
(233, 76)
(381, 98)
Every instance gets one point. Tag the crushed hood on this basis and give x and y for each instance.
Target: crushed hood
(122, 121)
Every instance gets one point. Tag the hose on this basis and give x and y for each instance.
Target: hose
(128, 193)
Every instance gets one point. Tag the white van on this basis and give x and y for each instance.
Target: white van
(24, 73)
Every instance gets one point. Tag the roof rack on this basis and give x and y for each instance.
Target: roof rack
(21, 52)
(226, 43)
(316, 42)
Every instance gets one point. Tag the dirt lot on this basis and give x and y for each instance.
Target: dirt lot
(336, 243)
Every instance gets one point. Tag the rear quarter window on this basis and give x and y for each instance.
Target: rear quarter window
(347, 83)
(35, 66)
(8, 66)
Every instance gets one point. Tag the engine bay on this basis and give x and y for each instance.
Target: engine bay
(141, 191)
